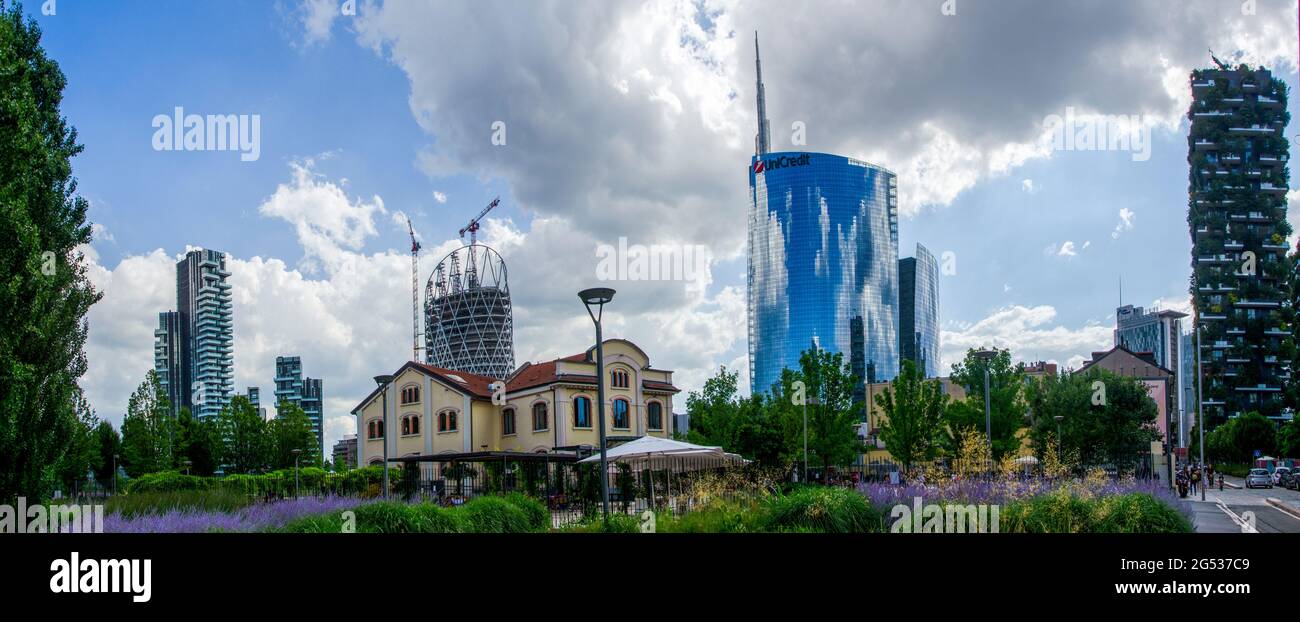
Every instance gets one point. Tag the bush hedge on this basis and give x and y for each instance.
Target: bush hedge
(1065, 512)
(311, 480)
(822, 509)
(507, 514)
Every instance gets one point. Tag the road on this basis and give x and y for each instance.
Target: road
(1248, 505)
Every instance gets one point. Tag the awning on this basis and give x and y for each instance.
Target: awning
(655, 452)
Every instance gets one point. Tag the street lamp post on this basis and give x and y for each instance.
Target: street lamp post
(987, 356)
(296, 453)
(383, 381)
(600, 296)
(114, 474)
(815, 401)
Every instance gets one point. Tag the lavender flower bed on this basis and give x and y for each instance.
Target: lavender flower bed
(257, 517)
(1003, 492)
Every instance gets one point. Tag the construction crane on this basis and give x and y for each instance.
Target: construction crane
(415, 288)
(472, 227)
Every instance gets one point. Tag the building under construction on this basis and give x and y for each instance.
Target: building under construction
(468, 322)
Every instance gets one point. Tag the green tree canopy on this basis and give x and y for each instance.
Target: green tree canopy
(290, 430)
(1007, 406)
(44, 291)
(1108, 423)
(244, 434)
(147, 430)
(914, 409)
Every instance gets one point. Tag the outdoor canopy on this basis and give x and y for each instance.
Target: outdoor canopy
(654, 452)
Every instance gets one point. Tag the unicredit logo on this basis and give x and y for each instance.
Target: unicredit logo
(781, 162)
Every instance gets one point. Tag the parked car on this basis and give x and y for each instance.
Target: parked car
(1259, 478)
(1279, 474)
(1292, 480)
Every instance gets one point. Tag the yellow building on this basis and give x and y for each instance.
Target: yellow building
(435, 411)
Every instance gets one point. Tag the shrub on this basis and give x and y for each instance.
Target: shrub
(320, 523)
(822, 509)
(167, 481)
(539, 518)
(1056, 512)
(618, 523)
(387, 517)
(435, 519)
(721, 517)
(1137, 513)
(142, 503)
(494, 515)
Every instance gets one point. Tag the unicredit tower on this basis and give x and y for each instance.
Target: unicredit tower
(823, 260)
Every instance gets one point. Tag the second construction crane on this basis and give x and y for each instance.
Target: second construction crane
(472, 227)
(415, 289)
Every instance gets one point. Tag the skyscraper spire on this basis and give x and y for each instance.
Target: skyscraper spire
(762, 141)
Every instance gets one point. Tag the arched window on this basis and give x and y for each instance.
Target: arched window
(447, 421)
(410, 394)
(655, 416)
(539, 417)
(618, 379)
(376, 461)
(375, 428)
(410, 425)
(621, 421)
(581, 412)
(508, 421)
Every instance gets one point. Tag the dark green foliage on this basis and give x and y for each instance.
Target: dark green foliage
(110, 445)
(42, 222)
(494, 515)
(539, 518)
(1006, 402)
(246, 443)
(914, 410)
(1111, 433)
(199, 442)
(168, 481)
(290, 430)
(1237, 439)
(617, 523)
(1065, 512)
(824, 510)
(148, 431)
(75, 470)
(161, 502)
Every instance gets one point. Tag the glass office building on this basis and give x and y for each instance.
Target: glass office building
(918, 311)
(823, 264)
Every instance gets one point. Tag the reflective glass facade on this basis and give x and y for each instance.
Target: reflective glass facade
(823, 264)
(918, 321)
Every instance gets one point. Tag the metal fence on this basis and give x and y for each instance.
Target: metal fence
(572, 491)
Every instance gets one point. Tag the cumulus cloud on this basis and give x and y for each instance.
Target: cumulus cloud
(1031, 333)
(440, 197)
(1125, 223)
(317, 19)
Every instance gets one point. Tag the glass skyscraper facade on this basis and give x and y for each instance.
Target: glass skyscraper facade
(1160, 333)
(823, 264)
(167, 361)
(307, 393)
(918, 311)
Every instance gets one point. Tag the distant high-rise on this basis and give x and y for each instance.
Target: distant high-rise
(254, 395)
(1237, 219)
(207, 332)
(918, 311)
(306, 393)
(1160, 333)
(822, 261)
(468, 321)
(167, 361)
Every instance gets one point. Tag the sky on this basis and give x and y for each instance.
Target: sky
(596, 121)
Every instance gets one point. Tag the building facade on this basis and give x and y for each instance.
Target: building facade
(437, 411)
(345, 452)
(1238, 154)
(1160, 333)
(307, 393)
(822, 259)
(167, 361)
(204, 308)
(918, 311)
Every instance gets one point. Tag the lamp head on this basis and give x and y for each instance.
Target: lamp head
(986, 355)
(596, 295)
(383, 380)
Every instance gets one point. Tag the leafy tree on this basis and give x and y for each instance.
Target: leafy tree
(148, 430)
(44, 291)
(1114, 432)
(756, 427)
(290, 430)
(82, 455)
(110, 445)
(1254, 432)
(1288, 439)
(832, 435)
(1007, 406)
(199, 442)
(243, 433)
(914, 409)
